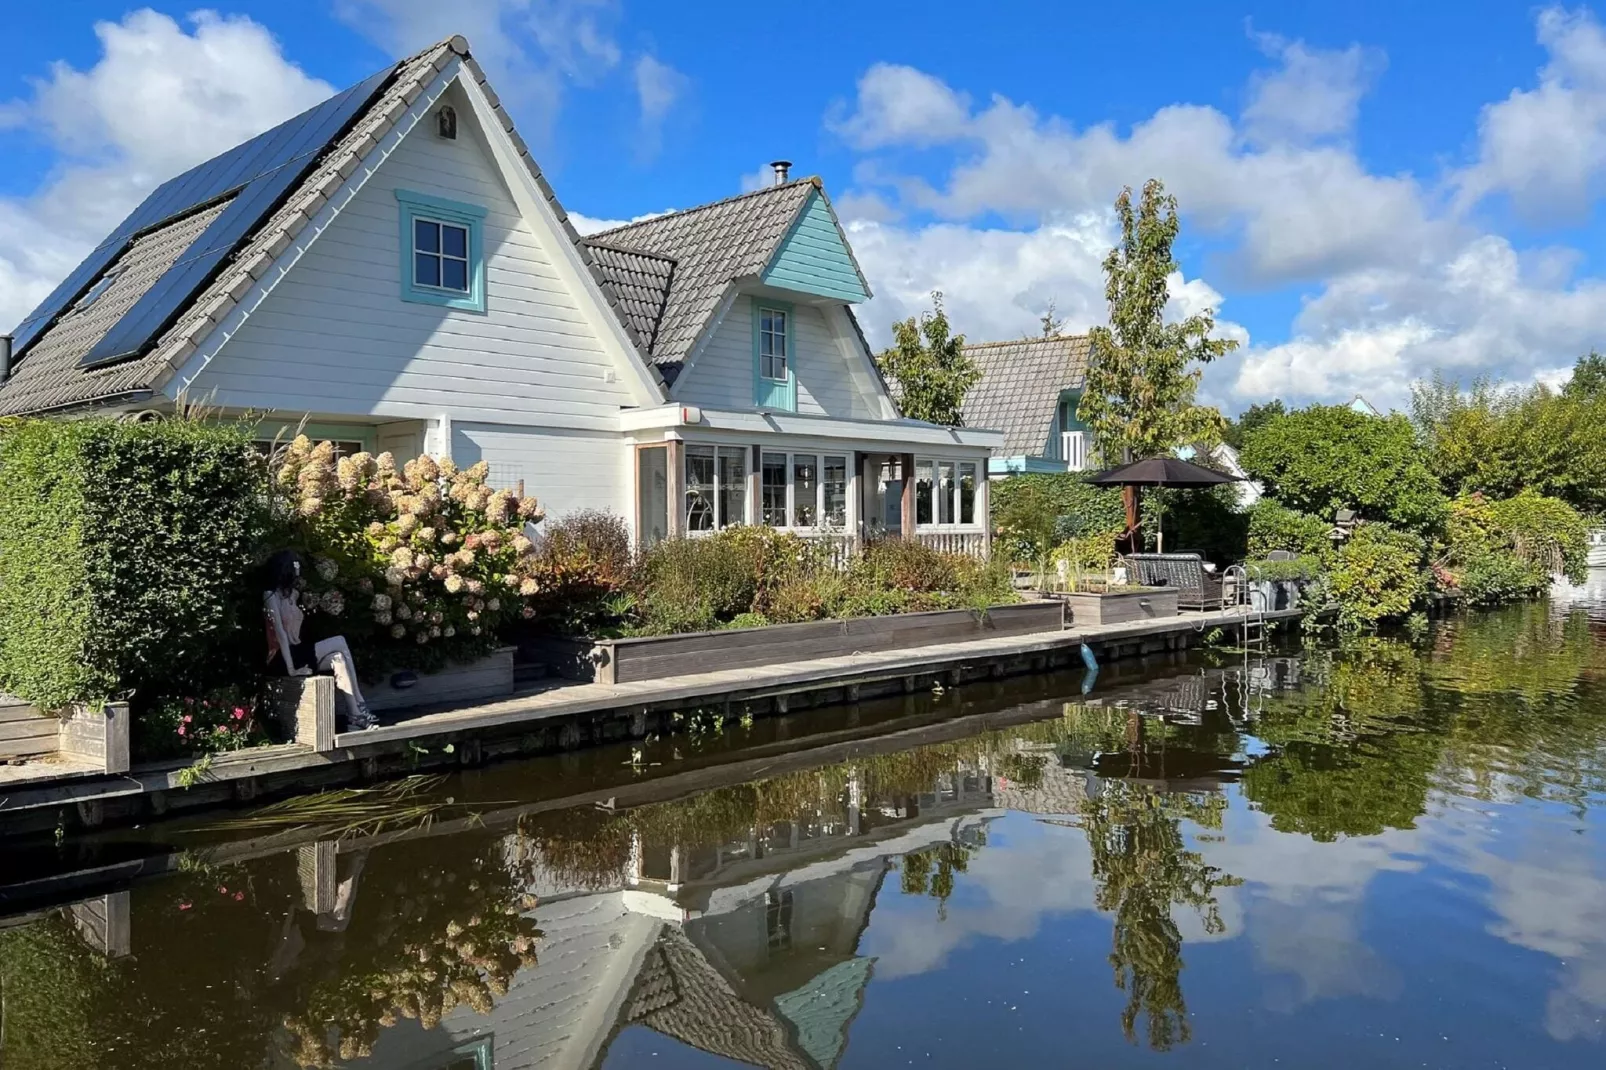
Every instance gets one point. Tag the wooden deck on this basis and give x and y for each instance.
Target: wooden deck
(566, 715)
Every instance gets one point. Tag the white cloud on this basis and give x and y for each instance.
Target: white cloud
(1401, 278)
(658, 88)
(1315, 94)
(160, 99)
(1545, 147)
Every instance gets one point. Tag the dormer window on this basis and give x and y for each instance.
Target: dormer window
(774, 356)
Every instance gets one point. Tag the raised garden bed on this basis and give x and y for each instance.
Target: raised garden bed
(94, 734)
(618, 661)
(1089, 608)
(491, 677)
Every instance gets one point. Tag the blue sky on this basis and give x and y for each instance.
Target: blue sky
(1370, 191)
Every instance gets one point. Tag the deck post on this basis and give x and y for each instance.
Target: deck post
(677, 490)
(908, 463)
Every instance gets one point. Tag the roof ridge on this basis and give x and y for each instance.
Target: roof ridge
(813, 180)
(1027, 341)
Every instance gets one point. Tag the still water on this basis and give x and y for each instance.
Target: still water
(1387, 854)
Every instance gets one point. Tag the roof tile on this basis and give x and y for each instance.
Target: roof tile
(1020, 385)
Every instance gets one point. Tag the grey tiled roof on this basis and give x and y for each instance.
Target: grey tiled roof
(1020, 386)
(712, 246)
(48, 376)
(663, 278)
(641, 282)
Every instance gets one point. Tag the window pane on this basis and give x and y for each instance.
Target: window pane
(454, 274)
(699, 488)
(426, 236)
(652, 494)
(779, 320)
(426, 270)
(454, 242)
(945, 492)
(806, 489)
(836, 491)
(925, 473)
(967, 493)
(773, 489)
(732, 486)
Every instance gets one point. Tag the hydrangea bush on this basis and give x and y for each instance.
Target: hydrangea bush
(416, 565)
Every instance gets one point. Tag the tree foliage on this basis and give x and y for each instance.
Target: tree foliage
(927, 367)
(1143, 372)
(1329, 457)
(1250, 419)
(1499, 441)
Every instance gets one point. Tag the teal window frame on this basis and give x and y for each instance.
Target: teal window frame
(768, 392)
(413, 207)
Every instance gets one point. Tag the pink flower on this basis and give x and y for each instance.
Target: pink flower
(181, 730)
(238, 896)
(188, 718)
(239, 713)
(184, 906)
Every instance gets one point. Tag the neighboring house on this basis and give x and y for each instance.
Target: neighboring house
(1364, 407)
(1225, 459)
(1030, 390)
(392, 267)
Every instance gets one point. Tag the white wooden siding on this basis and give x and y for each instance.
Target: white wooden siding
(335, 337)
(566, 470)
(828, 384)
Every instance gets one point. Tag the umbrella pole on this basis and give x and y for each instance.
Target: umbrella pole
(1129, 498)
(1159, 524)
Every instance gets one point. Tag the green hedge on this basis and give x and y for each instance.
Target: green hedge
(124, 550)
(1277, 527)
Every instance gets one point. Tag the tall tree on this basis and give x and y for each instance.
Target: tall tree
(1237, 430)
(1143, 372)
(928, 368)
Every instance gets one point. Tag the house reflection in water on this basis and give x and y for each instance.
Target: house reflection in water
(746, 949)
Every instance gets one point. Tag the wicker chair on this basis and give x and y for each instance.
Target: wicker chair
(1197, 589)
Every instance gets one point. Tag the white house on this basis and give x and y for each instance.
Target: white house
(392, 267)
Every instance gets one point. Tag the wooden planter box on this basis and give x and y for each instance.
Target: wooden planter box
(1119, 607)
(619, 661)
(94, 734)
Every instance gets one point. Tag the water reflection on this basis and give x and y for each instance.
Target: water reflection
(1378, 851)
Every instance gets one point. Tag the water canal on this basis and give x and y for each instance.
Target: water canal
(1389, 854)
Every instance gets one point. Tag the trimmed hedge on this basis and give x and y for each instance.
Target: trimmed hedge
(124, 548)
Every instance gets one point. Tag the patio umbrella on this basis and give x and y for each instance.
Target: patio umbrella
(1158, 472)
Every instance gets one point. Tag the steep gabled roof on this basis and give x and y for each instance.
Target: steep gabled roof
(712, 246)
(1020, 385)
(48, 374)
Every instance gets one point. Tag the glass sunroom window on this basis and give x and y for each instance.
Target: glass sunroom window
(772, 490)
(805, 490)
(835, 487)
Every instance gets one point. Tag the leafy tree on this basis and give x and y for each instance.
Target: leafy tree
(1252, 417)
(1053, 326)
(1588, 381)
(928, 368)
(1378, 576)
(1143, 371)
(1329, 457)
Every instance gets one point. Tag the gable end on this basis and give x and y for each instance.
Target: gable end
(814, 257)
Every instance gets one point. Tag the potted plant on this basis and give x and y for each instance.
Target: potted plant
(1275, 585)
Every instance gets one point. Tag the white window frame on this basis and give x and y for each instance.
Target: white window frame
(955, 499)
(703, 450)
(821, 459)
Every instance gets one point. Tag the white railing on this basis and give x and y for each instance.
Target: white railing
(1073, 447)
(973, 543)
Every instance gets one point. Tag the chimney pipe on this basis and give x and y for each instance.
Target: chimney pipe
(5, 357)
(781, 167)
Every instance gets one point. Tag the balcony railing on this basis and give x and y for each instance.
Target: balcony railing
(1073, 447)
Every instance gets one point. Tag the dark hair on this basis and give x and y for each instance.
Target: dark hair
(279, 573)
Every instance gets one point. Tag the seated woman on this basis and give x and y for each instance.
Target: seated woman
(290, 655)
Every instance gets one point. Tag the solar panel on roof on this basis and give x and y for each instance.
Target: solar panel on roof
(263, 170)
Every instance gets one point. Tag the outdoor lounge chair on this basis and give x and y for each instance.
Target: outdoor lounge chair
(1197, 589)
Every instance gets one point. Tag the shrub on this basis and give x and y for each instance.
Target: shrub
(581, 562)
(429, 561)
(1329, 457)
(1545, 533)
(1378, 575)
(123, 549)
(1276, 527)
(1034, 512)
(225, 720)
(1205, 519)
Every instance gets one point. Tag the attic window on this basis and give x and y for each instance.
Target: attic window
(102, 284)
(446, 122)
